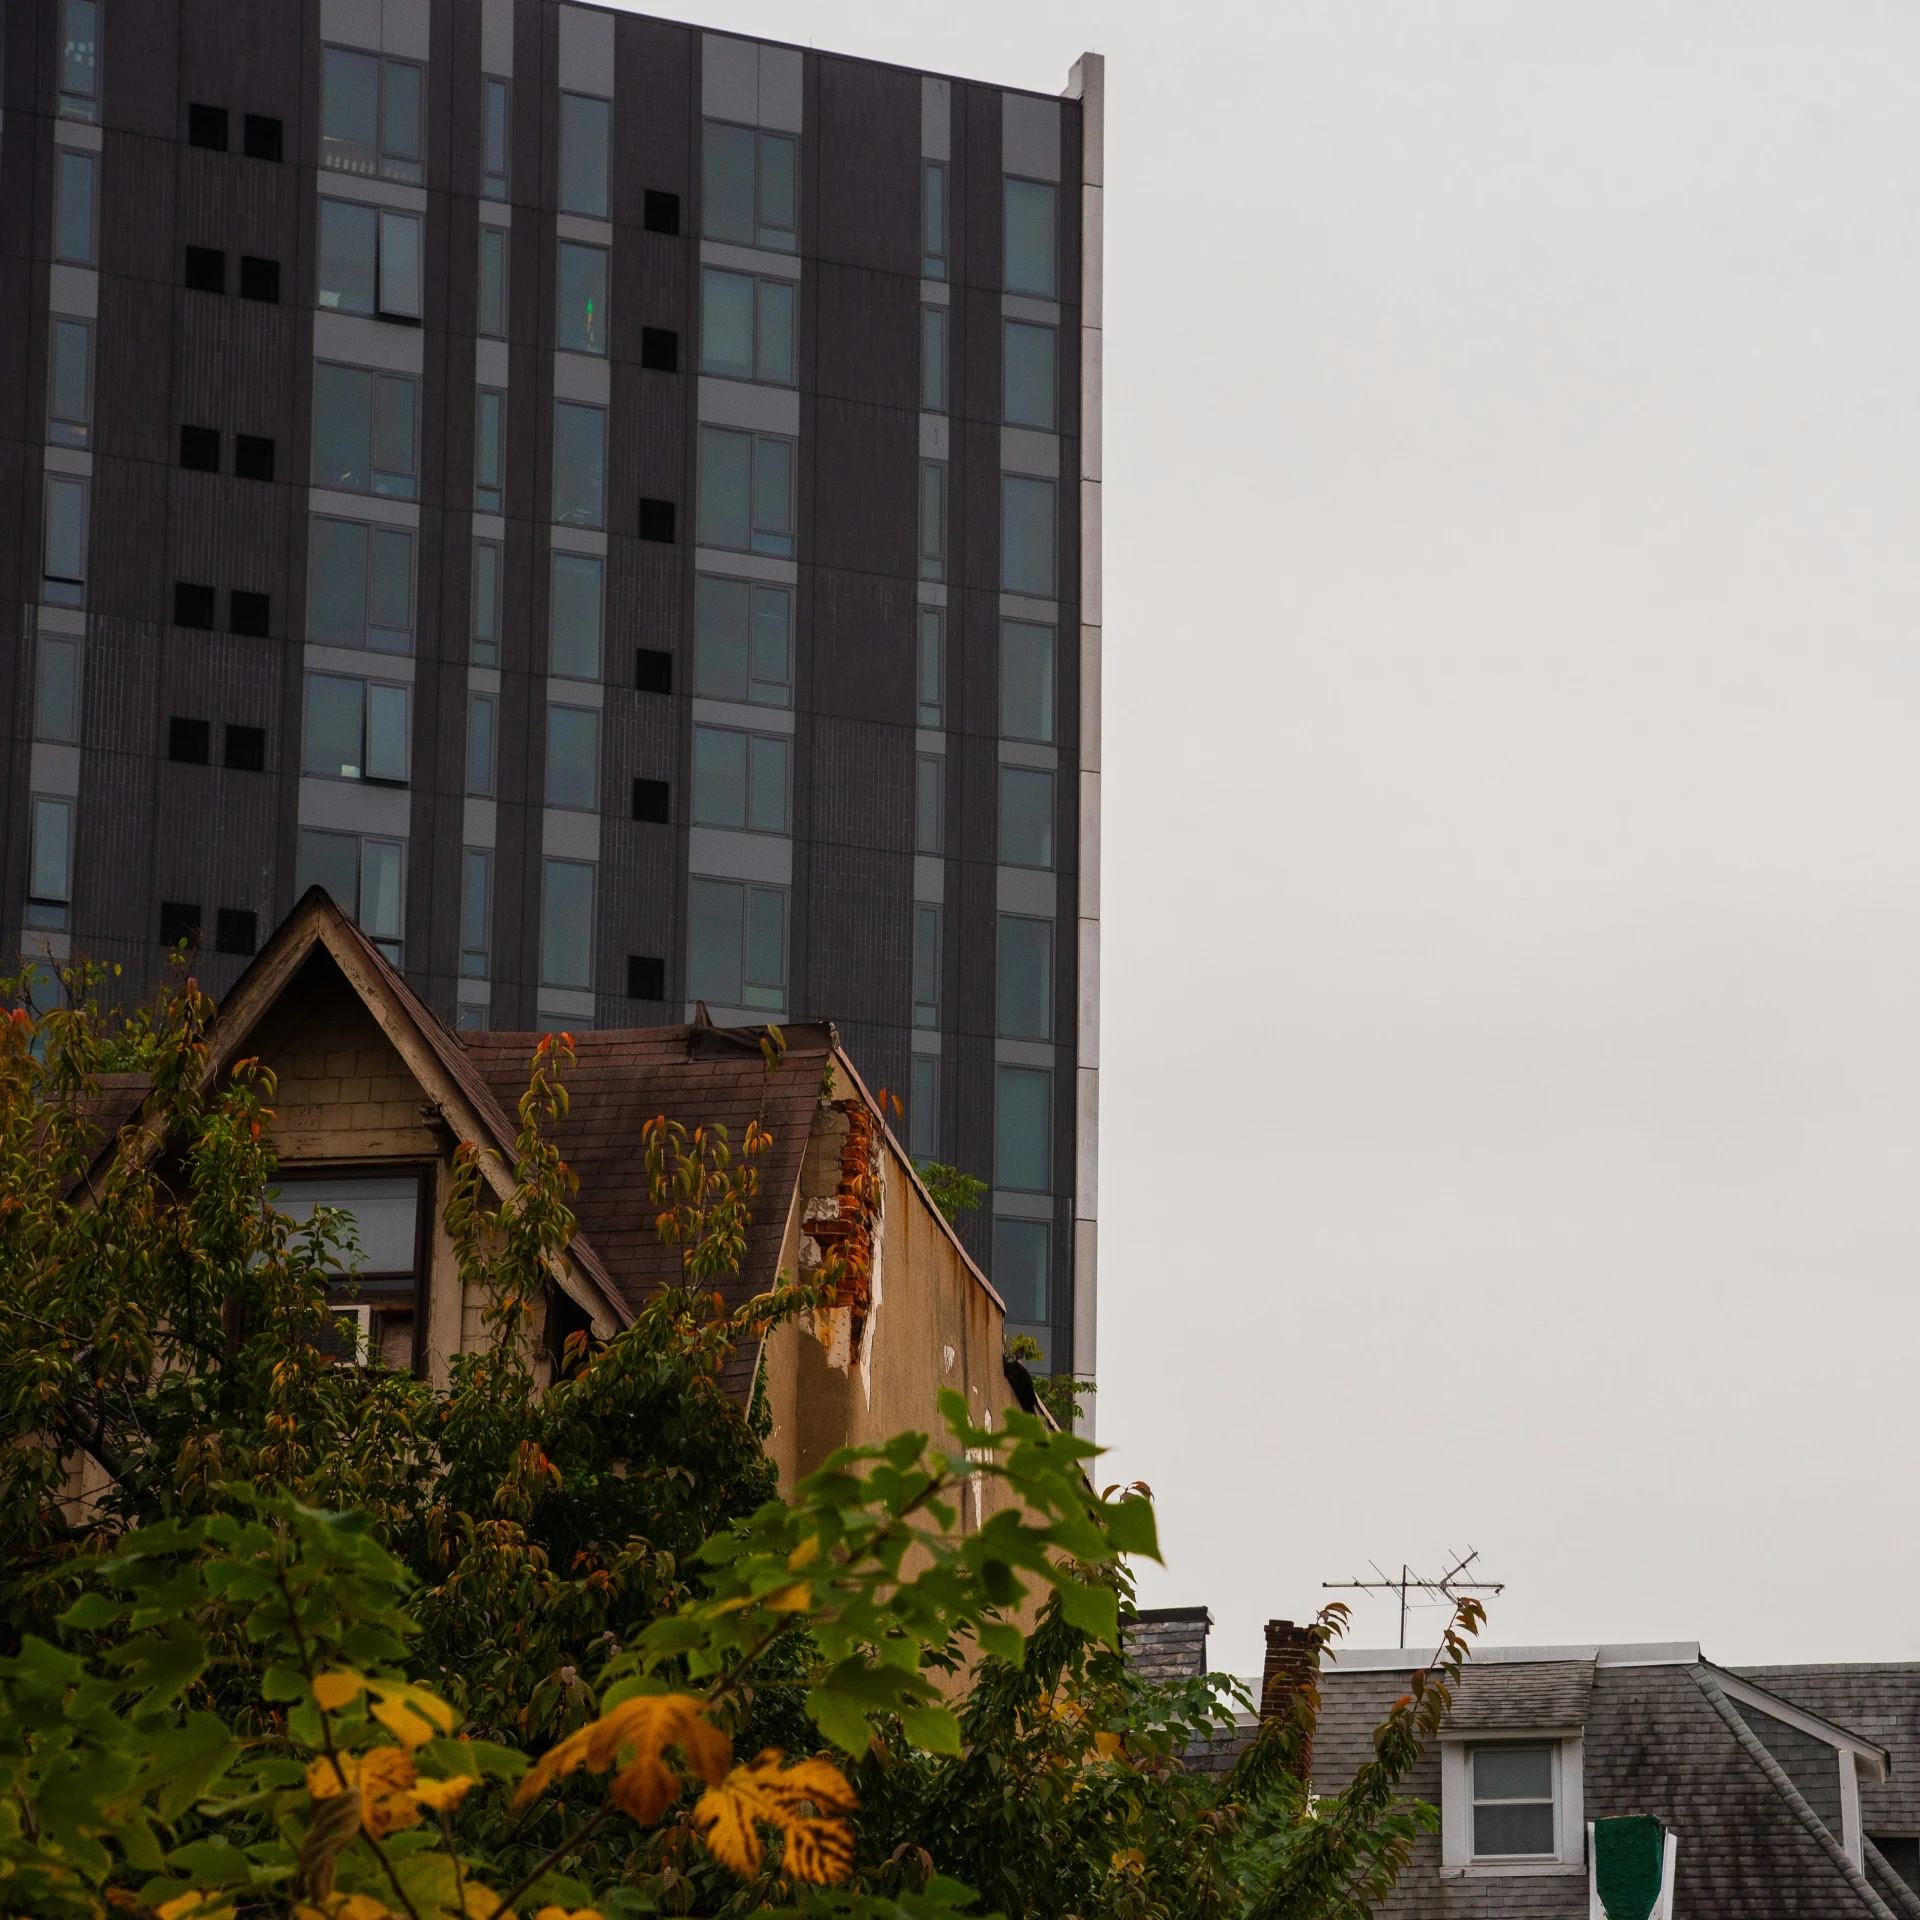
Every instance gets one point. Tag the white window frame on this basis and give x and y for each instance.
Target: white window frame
(1569, 1803)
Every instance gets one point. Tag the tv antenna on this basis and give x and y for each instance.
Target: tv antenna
(1448, 1587)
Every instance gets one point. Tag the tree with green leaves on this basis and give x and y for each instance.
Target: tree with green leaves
(293, 1639)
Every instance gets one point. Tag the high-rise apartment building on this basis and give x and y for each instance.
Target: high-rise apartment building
(617, 504)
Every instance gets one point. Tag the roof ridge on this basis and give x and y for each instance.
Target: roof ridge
(1751, 1745)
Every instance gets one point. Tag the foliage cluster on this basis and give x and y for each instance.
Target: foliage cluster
(336, 1643)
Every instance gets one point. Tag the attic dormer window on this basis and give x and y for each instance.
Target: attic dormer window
(377, 1296)
(1513, 1803)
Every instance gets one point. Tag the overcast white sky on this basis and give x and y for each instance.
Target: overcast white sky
(1511, 1048)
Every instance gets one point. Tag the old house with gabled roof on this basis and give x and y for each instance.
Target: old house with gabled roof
(375, 1094)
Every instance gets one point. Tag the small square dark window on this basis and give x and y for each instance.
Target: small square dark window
(656, 520)
(252, 456)
(192, 606)
(661, 212)
(188, 741)
(259, 279)
(235, 930)
(247, 751)
(249, 614)
(646, 978)
(260, 133)
(650, 800)
(207, 127)
(206, 270)
(179, 923)
(652, 670)
(660, 349)
(200, 449)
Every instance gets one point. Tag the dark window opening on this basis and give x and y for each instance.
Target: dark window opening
(569, 1335)
(235, 930)
(660, 349)
(200, 449)
(1902, 1854)
(179, 923)
(249, 614)
(247, 751)
(646, 978)
(259, 279)
(188, 741)
(661, 212)
(207, 127)
(652, 670)
(192, 606)
(206, 270)
(656, 520)
(261, 136)
(252, 456)
(650, 801)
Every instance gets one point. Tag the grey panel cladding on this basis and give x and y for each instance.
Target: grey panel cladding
(863, 340)
(861, 780)
(859, 660)
(977, 170)
(860, 958)
(865, 519)
(865, 152)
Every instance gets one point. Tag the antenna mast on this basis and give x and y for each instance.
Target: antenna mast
(1449, 1586)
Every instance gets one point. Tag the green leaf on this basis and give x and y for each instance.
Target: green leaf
(1131, 1529)
(1003, 1641)
(932, 1729)
(213, 1863)
(1094, 1610)
(91, 1612)
(283, 1683)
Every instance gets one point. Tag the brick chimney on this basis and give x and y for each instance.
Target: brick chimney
(1291, 1669)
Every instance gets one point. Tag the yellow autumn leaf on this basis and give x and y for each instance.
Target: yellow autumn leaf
(649, 1724)
(411, 1713)
(794, 1599)
(560, 1913)
(324, 1775)
(807, 1551)
(444, 1795)
(798, 1801)
(333, 1690)
(482, 1903)
(197, 1906)
(387, 1781)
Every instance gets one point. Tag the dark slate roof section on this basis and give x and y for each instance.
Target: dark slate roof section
(1550, 1695)
(1881, 1703)
(698, 1076)
(1654, 1743)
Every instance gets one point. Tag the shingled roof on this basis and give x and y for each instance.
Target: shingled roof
(1744, 1769)
(699, 1076)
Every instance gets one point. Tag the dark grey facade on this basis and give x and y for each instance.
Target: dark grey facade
(617, 504)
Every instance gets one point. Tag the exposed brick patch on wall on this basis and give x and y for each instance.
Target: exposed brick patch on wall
(840, 1228)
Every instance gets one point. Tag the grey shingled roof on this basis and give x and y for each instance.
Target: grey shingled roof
(1881, 1703)
(1654, 1743)
(1548, 1695)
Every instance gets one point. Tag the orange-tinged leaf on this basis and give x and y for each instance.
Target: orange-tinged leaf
(411, 1712)
(333, 1690)
(798, 1801)
(794, 1599)
(387, 1780)
(324, 1775)
(648, 1724)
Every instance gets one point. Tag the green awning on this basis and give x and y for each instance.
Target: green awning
(1628, 1853)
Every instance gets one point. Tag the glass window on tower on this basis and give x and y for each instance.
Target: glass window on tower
(1021, 1250)
(923, 1109)
(579, 464)
(1024, 989)
(56, 689)
(926, 965)
(79, 59)
(930, 667)
(1027, 387)
(933, 220)
(566, 925)
(742, 648)
(1030, 244)
(749, 182)
(583, 299)
(933, 359)
(495, 137)
(489, 450)
(1022, 1129)
(486, 604)
(1027, 536)
(584, 136)
(476, 911)
(573, 758)
(370, 116)
(737, 944)
(576, 614)
(1026, 681)
(493, 283)
(69, 383)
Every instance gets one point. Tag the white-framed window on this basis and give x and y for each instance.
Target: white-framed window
(1512, 1802)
